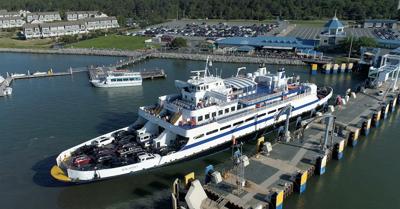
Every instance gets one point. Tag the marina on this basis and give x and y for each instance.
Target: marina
(112, 109)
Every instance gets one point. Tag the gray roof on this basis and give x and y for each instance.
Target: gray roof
(82, 12)
(10, 18)
(5, 12)
(28, 25)
(56, 24)
(95, 19)
(43, 13)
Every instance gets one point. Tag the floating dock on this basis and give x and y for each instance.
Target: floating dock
(9, 79)
(264, 179)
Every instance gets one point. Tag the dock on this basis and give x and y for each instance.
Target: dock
(266, 177)
(9, 79)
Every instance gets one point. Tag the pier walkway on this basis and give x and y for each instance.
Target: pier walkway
(270, 178)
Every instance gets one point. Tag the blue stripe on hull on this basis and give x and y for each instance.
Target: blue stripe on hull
(241, 128)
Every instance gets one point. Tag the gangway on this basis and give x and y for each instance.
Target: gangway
(388, 71)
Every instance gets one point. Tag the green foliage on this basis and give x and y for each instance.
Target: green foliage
(178, 43)
(158, 10)
(345, 44)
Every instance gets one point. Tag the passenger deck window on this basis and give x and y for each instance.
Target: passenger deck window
(213, 131)
(220, 112)
(272, 111)
(200, 118)
(232, 108)
(226, 110)
(225, 127)
(207, 116)
(237, 123)
(260, 115)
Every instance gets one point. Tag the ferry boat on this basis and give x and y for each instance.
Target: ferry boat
(118, 78)
(206, 112)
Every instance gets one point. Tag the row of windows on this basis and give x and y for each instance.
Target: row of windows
(124, 79)
(220, 112)
(235, 124)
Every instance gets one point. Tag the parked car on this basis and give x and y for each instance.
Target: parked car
(82, 160)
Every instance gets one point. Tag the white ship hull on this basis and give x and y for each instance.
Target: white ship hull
(99, 84)
(198, 146)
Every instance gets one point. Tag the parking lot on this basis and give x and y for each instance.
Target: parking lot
(313, 32)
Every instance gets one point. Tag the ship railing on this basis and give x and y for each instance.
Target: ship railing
(275, 103)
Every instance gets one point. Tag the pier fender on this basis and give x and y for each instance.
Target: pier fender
(301, 181)
(314, 68)
(376, 117)
(398, 98)
(260, 144)
(338, 149)
(353, 95)
(208, 171)
(385, 110)
(353, 137)
(277, 200)
(298, 122)
(321, 164)
(346, 98)
(188, 178)
(281, 131)
(392, 104)
(331, 108)
(175, 194)
(366, 126)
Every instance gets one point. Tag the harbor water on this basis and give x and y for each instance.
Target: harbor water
(48, 115)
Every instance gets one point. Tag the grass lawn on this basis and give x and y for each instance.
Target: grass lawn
(112, 42)
(8, 40)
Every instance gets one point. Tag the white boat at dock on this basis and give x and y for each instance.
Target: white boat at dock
(17, 75)
(39, 73)
(206, 112)
(117, 78)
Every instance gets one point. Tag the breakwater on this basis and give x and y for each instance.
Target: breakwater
(145, 54)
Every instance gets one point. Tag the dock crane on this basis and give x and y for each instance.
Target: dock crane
(329, 129)
(288, 111)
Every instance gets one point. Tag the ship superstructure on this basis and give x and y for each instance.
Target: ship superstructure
(206, 112)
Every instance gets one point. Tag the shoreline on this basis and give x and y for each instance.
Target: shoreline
(155, 54)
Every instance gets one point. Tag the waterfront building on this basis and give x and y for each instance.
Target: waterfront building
(262, 43)
(31, 31)
(333, 32)
(43, 16)
(56, 29)
(101, 23)
(11, 22)
(79, 15)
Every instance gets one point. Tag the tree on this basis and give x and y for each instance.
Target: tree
(345, 44)
(178, 43)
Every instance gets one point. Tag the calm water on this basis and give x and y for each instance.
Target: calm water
(46, 116)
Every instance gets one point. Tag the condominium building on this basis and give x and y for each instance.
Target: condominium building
(43, 16)
(11, 22)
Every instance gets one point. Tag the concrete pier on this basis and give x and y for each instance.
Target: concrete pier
(270, 178)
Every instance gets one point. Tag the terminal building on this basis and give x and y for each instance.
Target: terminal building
(333, 32)
(263, 43)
